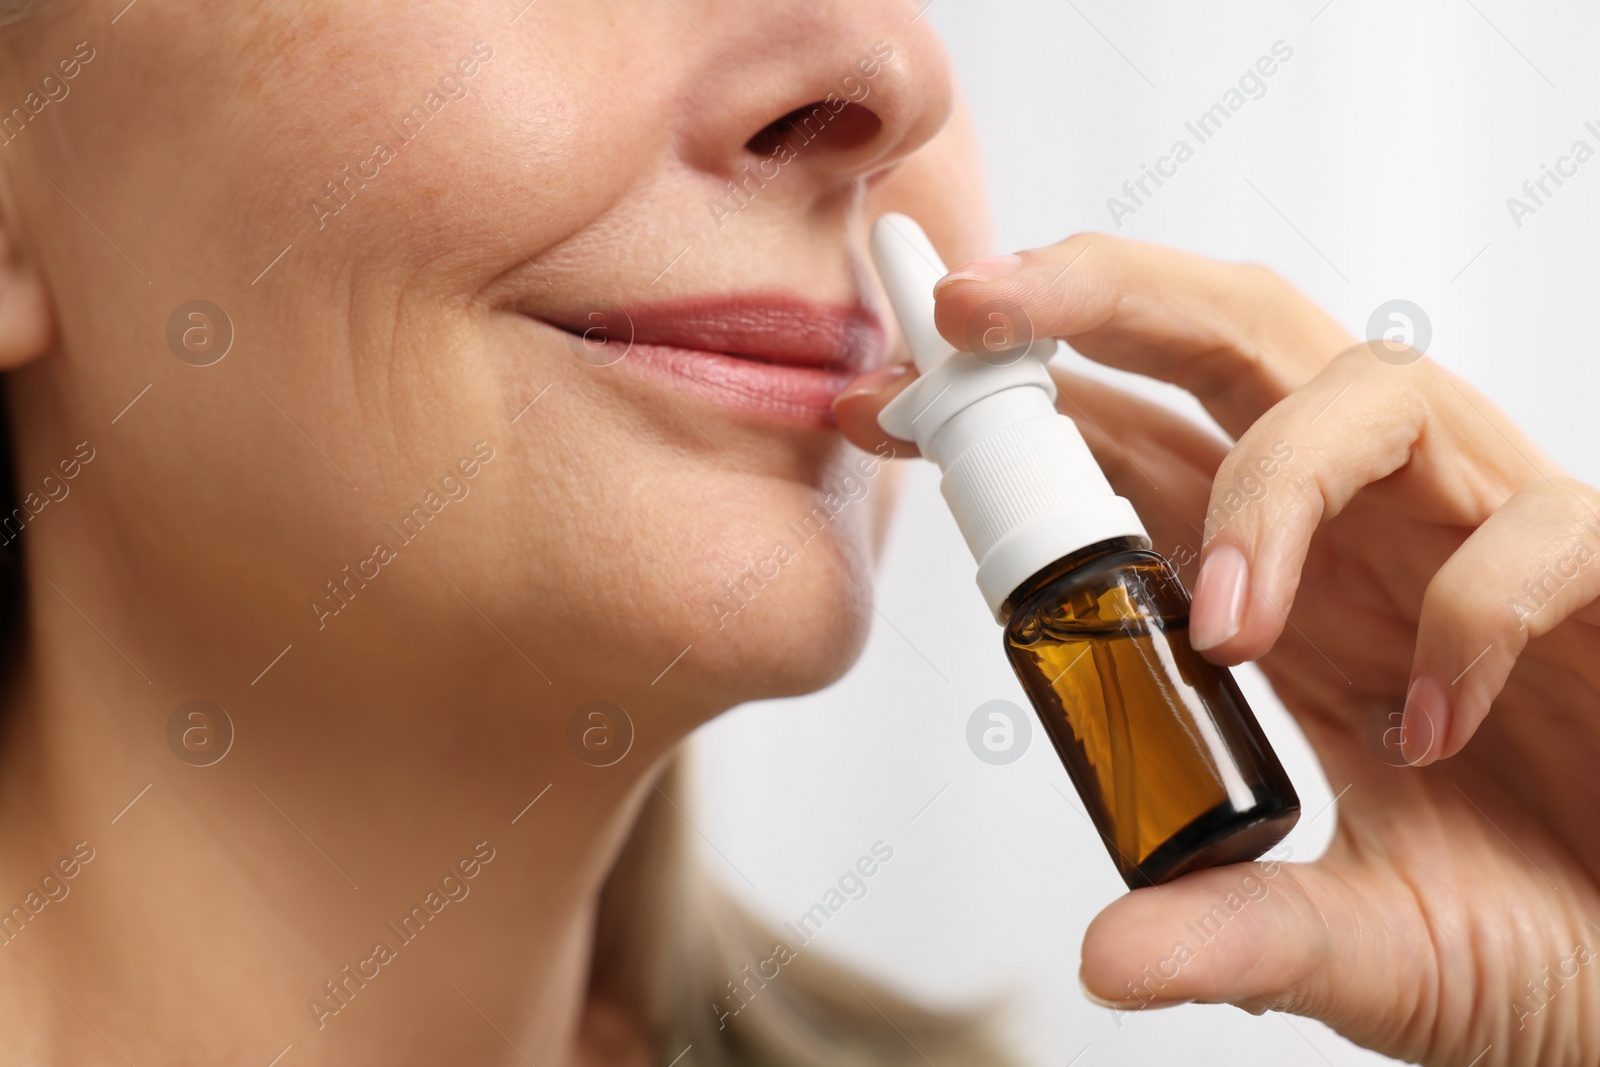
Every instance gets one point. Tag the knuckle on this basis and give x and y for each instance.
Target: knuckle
(1259, 302)
(1260, 294)
(1069, 248)
(1261, 279)
(1558, 570)
(1400, 395)
(1577, 500)
(1357, 359)
(1377, 365)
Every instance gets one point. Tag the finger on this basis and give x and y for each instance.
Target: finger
(1127, 434)
(1531, 565)
(1237, 336)
(1137, 442)
(1160, 461)
(1290, 937)
(1441, 452)
(856, 408)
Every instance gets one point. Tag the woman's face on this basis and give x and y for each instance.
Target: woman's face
(432, 228)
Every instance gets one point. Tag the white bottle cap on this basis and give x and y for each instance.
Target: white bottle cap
(1021, 482)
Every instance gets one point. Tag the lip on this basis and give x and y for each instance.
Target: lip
(771, 354)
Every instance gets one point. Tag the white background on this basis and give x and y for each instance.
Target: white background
(1376, 166)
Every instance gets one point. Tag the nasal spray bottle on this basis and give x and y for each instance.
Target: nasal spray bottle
(1167, 756)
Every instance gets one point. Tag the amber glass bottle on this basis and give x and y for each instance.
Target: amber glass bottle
(1167, 757)
(1169, 760)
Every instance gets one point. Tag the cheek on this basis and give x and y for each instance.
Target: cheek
(668, 548)
(592, 530)
(373, 380)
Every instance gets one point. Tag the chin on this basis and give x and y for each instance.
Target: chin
(790, 619)
(790, 645)
(765, 579)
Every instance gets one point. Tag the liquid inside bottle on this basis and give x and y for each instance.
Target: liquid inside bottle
(1167, 756)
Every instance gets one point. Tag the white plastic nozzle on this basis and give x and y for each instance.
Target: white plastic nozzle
(1021, 483)
(909, 266)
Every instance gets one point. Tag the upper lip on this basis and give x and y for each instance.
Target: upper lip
(765, 328)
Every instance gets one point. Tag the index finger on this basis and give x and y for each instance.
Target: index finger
(1237, 336)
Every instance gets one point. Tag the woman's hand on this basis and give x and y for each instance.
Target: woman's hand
(1411, 561)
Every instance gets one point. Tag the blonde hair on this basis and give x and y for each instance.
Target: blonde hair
(669, 940)
(14, 11)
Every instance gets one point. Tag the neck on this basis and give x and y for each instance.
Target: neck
(397, 860)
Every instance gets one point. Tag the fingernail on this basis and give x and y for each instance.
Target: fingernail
(874, 381)
(1427, 716)
(1219, 597)
(1129, 1005)
(987, 269)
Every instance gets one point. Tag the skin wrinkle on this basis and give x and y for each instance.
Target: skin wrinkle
(1489, 1004)
(1493, 486)
(1586, 497)
(1555, 933)
(1554, 944)
(1573, 932)
(1296, 993)
(1525, 949)
(1429, 998)
(1432, 984)
(617, 508)
(1355, 916)
(1363, 852)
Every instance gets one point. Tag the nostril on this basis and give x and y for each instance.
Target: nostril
(817, 125)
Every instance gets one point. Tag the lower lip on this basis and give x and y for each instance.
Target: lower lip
(799, 393)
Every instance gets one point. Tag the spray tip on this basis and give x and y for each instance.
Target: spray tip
(909, 266)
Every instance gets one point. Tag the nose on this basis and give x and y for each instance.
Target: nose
(819, 92)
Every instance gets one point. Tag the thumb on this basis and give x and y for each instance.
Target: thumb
(856, 407)
(1261, 936)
